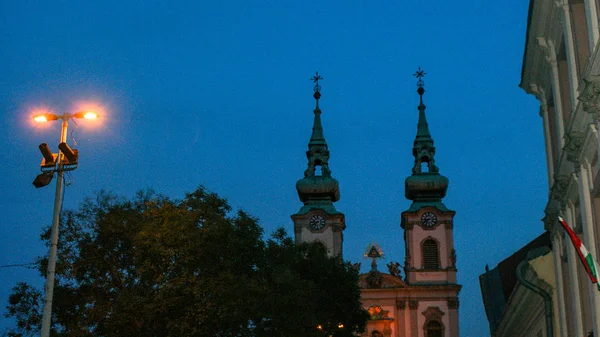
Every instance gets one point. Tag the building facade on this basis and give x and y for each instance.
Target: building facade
(519, 294)
(423, 303)
(561, 68)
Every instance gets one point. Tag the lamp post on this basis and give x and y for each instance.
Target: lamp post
(55, 165)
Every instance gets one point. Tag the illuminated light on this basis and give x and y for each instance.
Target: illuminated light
(90, 115)
(40, 118)
(319, 327)
(340, 326)
(85, 114)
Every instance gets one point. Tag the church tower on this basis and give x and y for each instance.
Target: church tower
(318, 220)
(428, 224)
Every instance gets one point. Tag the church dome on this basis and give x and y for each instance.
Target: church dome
(425, 187)
(318, 188)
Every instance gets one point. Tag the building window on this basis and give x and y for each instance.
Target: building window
(434, 329)
(430, 255)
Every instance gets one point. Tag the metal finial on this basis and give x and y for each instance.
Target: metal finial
(419, 75)
(317, 87)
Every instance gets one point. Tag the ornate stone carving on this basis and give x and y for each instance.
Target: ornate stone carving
(590, 97)
(376, 312)
(413, 305)
(453, 257)
(433, 313)
(559, 188)
(400, 304)
(577, 168)
(573, 142)
(452, 302)
(374, 279)
(549, 218)
(394, 268)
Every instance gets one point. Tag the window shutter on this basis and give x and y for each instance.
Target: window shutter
(430, 255)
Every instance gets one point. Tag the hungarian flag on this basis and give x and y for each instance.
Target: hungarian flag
(591, 267)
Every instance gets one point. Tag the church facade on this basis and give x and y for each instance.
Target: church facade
(423, 302)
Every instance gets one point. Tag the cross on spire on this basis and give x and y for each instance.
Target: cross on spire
(419, 74)
(317, 87)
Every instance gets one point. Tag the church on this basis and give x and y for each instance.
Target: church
(424, 301)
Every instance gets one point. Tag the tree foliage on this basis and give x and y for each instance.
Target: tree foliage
(153, 266)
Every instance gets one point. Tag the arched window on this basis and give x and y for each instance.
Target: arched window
(434, 329)
(431, 260)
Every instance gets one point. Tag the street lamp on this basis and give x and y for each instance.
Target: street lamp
(64, 160)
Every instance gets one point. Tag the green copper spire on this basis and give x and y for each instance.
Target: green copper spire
(423, 148)
(317, 154)
(425, 186)
(318, 190)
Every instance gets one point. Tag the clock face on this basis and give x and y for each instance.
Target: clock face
(428, 219)
(317, 222)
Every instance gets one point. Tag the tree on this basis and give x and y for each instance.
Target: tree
(310, 290)
(154, 266)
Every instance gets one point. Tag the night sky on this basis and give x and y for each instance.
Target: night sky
(218, 93)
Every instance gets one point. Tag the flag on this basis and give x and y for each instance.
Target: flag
(591, 267)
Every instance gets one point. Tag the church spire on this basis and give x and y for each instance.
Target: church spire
(318, 220)
(423, 149)
(425, 185)
(318, 189)
(317, 154)
(317, 139)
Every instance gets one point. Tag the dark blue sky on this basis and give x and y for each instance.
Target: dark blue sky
(218, 93)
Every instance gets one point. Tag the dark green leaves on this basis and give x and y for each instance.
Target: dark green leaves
(154, 266)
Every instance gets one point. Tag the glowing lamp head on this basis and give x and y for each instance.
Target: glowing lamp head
(40, 118)
(90, 115)
(86, 115)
